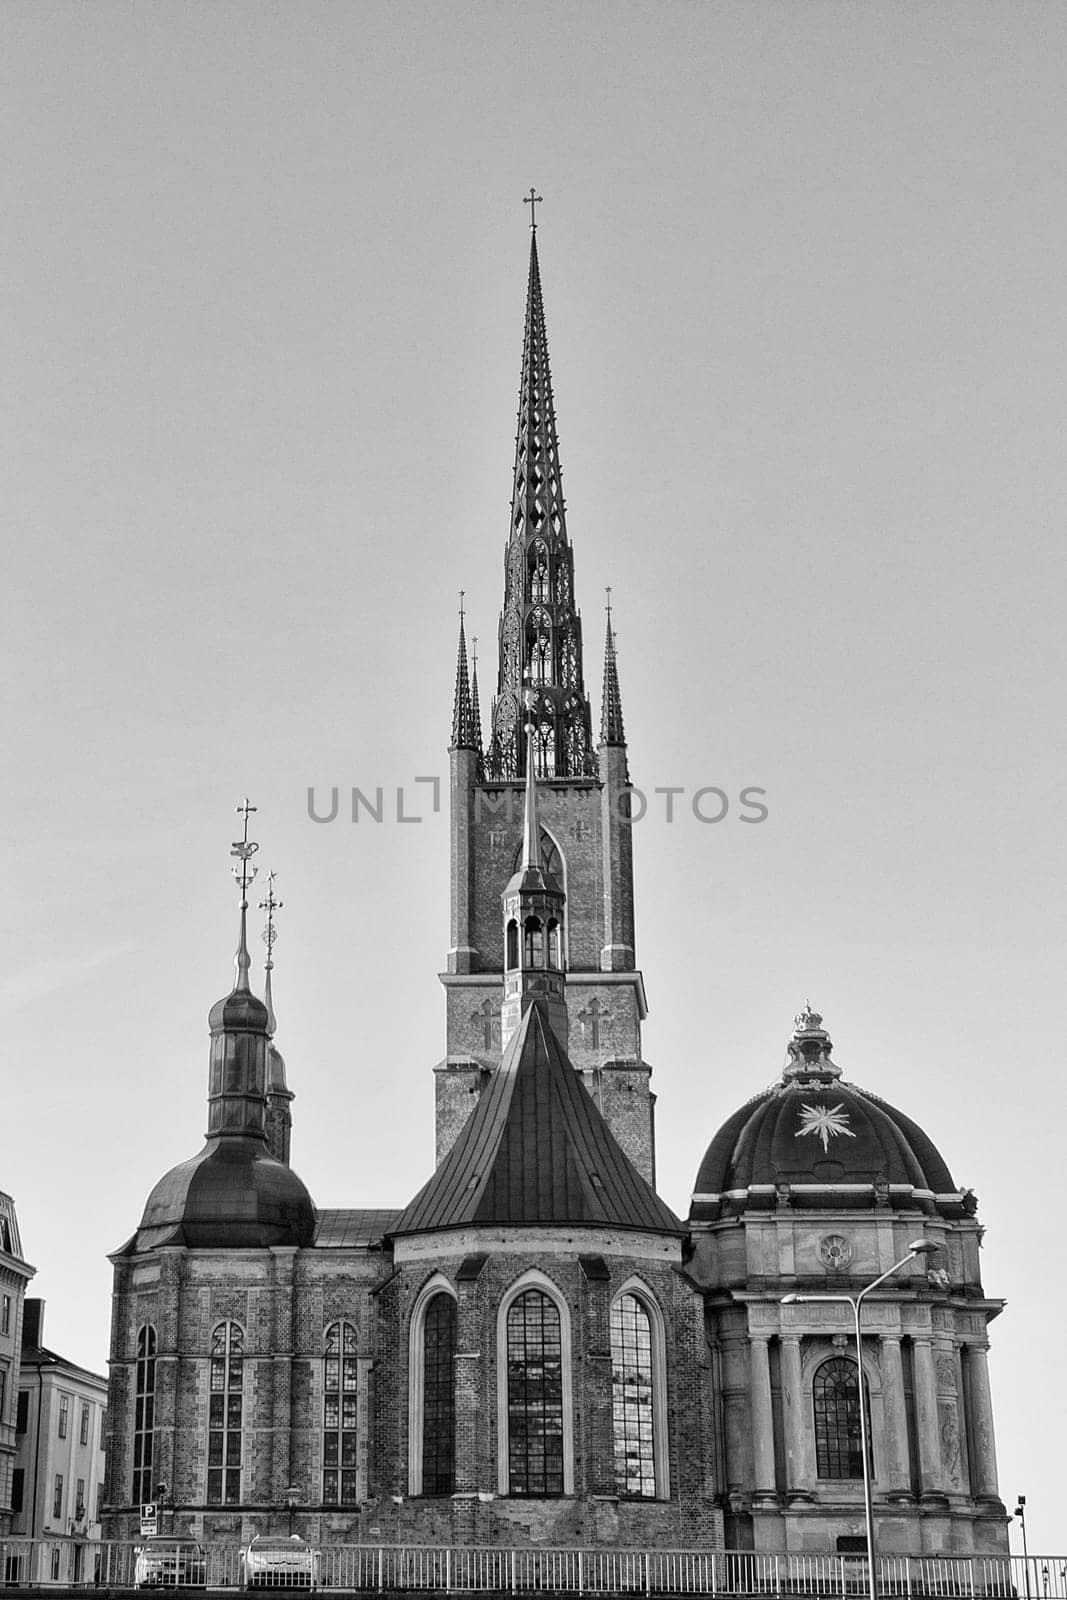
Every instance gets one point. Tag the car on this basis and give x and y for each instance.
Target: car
(171, 1560)
(274, 1562)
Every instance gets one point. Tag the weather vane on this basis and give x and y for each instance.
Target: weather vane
(533, 200)
(244, 848)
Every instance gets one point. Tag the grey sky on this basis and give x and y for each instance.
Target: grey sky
(265, 268)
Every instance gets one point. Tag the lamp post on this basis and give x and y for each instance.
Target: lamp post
(919, 1247)
(1020, 1512)
(292, 1500)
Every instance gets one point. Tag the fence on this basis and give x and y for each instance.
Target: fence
(63, 1564)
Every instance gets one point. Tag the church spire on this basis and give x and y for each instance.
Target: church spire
(476, 710)
(611, 728)
(540, 629)
(462, 711)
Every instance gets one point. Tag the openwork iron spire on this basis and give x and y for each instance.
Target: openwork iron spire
(540, 629)
(611, 728)
(463, 735)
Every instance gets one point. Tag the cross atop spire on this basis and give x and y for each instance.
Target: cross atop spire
(244, 873)
(270, 933)
(533, 200)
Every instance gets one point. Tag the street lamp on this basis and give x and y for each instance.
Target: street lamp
(292, 1500)
(1020, 1512)
(919, 1247)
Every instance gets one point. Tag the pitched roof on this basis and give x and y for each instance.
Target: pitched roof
(536, 1150)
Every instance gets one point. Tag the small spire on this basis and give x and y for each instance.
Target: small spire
(270, 933)
(462, 715)
(244, 849)
(531, 838)
(476, 710)
(611, 728)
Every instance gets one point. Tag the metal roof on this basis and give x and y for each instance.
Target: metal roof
(536, 1150)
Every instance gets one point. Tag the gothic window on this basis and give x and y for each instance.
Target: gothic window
(438, 1396)
(513, 946)
(545, 750)
(541, 659)
(340, 1371)
(553, 945)
(225, 1415)
(576, 748)
(144, 1405)
(838, 1440)
(539, 573)
(533, 943)
(535, 1413)
(639, 1405)
(551, 860)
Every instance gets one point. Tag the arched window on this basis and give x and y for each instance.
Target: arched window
(144, 1407)
(339, 1382)
(553, 945)
(225, 1415)
(538, 572)
(513, 945)
(541, 660)
(838, 1440)
(438, 1396)
(639, 1396)
(534, 1396)
(533, 943)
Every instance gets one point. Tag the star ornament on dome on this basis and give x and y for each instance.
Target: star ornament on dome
(826, 1122)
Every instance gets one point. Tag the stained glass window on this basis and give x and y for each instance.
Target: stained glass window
(632, 1398)
(225, 1415)
(438, 1396)
(535, 1396)
(838, 1439)
(340, 1373)
(144, 1415)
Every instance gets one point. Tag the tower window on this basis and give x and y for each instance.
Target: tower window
(838, 1438)
(144, 1415)
(225, 1415)
(438, 1392)
(632, 1398)
(339, 1437)
(553, 945)
(533, 943)
(513, 945)
(535, 1396)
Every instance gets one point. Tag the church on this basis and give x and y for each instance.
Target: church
(536, 1351)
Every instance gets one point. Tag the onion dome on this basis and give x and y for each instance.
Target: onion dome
(235, 1194)
(814, 1141)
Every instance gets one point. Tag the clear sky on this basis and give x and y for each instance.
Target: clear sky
(264, 272)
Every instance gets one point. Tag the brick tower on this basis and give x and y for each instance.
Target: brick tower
(583, 799)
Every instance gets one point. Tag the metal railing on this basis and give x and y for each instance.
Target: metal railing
(64, 1564)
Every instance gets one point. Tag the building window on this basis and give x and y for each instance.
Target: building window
(533, 943)
(838, 1440)
(535, 1396)
(85, 1424)
(57, 1498)
(632, 1398)
(22, 1411)
(513, 945)
(79, 1500)
(438, 1396)
(144, 1419)
(55, 1562)
(18, 1482)
(64, 1414)
(340, 1376)
(224, 1416)
(5, 1314)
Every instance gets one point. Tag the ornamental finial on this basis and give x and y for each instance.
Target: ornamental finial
(270, 933)
(533, 200)
(244, 873)
(809, 1048)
